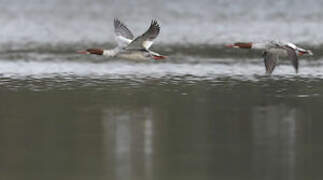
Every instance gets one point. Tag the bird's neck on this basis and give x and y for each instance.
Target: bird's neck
(111, 52)
(259, 45)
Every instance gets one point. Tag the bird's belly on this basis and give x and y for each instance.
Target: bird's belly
(133, 56)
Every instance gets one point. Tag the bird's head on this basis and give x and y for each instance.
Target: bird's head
(244, 45)
(95, 51)
(302, 52)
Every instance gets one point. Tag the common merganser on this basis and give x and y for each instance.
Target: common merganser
(273, 50)
(128, 47)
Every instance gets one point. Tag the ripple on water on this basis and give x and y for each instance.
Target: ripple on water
(141, 71)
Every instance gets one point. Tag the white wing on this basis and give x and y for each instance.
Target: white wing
(123, 35)
(146, 39)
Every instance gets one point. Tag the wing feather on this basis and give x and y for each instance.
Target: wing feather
(146, 39)
(122, 33)
(293, 57)
(270, 60)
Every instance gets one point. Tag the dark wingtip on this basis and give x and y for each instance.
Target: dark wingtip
(155, 23)
(116, 22)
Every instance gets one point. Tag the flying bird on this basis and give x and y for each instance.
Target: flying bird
(129, 47)
(273, 50)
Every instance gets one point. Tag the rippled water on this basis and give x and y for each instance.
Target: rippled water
(125, 70)
(207, 112)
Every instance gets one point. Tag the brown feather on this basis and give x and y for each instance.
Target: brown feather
(95, 51)
(243, 45)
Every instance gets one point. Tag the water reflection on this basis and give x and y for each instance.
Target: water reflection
(162, 129)
(277, 131)
(131, 133)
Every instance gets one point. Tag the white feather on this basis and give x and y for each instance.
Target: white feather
(122, 41)
(111, 52)
(147, 44)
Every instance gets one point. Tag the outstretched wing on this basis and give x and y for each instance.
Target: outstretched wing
(270, 60)
(292, 56)
(122, 34)
(146, 39)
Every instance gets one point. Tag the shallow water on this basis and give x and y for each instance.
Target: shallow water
(205, 113)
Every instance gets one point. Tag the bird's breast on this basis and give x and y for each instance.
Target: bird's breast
(134, 55)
